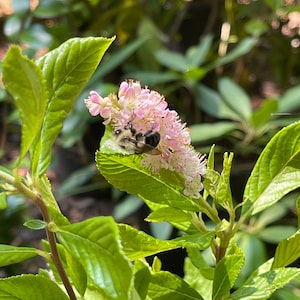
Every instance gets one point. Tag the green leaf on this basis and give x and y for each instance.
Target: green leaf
(298, 210)
(171, 59)
(116, 59)
(152, 77)
(287, 251)
(274, 234)
(226, 273)
(66, 70)
(11, 254)
(44, 188)
(137, 244)
(128, 206)
(30, 287)
(3, 201)
(236, 98)
(277, 171)
(255, 254)
(210, 102)
(95, 244)
(256, 27)
(23, 80)
(264, 113)
(196, 55)
(289, 101)
(205, 132)
(77, 273)
(169, 214)
(243, 47)
(263, 285)
(166, 286)
(194, 277)
(35, 224)
(142, 277)
(223, 194)
(51, 9)
(126, 173)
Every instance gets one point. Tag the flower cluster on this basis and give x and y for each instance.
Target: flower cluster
(147, 110)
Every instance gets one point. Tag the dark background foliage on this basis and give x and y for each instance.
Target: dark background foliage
(205, 56)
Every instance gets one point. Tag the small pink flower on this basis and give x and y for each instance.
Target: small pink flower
(147, 110)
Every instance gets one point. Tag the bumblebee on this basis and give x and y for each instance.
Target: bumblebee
(137, 142)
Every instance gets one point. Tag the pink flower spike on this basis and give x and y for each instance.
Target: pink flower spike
(93, 103)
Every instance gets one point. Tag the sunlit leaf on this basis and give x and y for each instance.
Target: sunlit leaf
(287, 251)
(263, 285)
(66, 70)
(226, 273)
(126, 173)
(277, 171)
(165, 285)
(12, 254)
(95, 244)
(23, 80)
(30, 287)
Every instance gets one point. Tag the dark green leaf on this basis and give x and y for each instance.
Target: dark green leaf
(171, 59)
(12, 254)
(264, 113)
(277, 171)
(153, 78)
(51, 9)
(256, 27)
(128, 206)
(274, 234)
(243, 47)
(196, 55)
(201, 133)
(210, 101)
(236, 98)
(255, 254)
(290, 100)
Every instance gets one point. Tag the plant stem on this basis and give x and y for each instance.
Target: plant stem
(54, 251)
